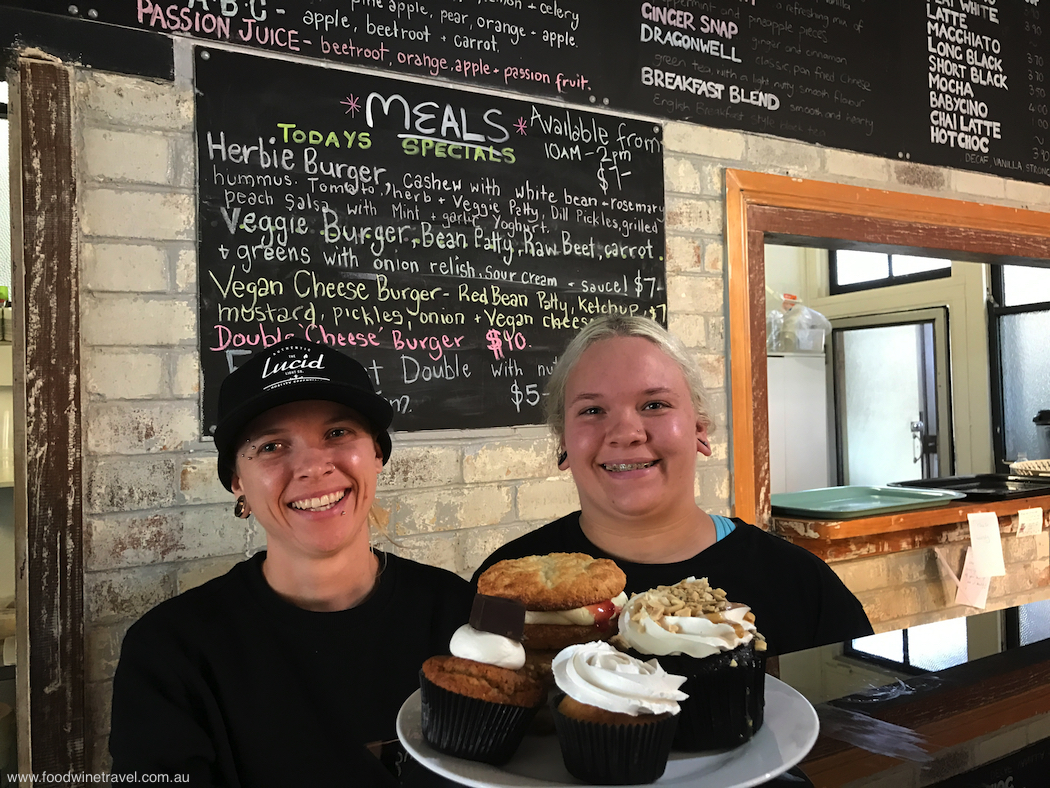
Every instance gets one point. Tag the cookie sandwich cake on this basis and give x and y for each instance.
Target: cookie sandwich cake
(569, 598)
(615, 715)
(479, 702)
(694, 631)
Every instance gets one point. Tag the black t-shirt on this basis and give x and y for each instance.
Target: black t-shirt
(797, 600)
(233, 686)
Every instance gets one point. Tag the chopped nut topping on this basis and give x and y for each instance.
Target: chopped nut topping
(684, 599)
(695, 599)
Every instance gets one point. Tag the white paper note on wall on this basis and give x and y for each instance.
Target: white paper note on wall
(986, 545)
(1030, 522)
(973, 590)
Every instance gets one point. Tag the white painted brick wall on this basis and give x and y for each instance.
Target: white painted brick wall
(186, 374)
(127, 213)
(855, 166)
(505, 460)
(712, 369)
(119, 540)
(714, 487)
(692, 176)
(127, 156)
(98, 697)
(102, 649)
(186, 270)
(978, 184)
(921, 176)
(691, 329)
(141, 427)
(419, 466)
(126, 374)
(118, 267)
(124, 484)
(184, 163)
(685, 214)
(119, 595)
(1033, 196)
(713, 143)
(787, 157)
(694, 294)
(475, 545)
(548, 499)
(134, 320)
(685, 254)
(114, 100)
(447, 509)
(714, 256)
(190, 574)
(199, 482)
(441, 550)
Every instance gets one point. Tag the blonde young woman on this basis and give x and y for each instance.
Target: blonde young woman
(626, 405)
(290, 668)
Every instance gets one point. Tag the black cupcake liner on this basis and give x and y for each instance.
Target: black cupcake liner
(613, 754)
(466, 727)
(727, 697)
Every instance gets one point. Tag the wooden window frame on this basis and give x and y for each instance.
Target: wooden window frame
(763, 208)
(890, 280)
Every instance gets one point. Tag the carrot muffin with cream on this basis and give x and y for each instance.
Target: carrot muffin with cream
(478, 702)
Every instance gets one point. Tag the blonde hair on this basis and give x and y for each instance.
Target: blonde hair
(610, 327)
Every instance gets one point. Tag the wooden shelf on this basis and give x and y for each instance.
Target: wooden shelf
(840, 540)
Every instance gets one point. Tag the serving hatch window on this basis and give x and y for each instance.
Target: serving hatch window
(852, 270)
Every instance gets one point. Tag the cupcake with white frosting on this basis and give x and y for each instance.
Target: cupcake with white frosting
(615, 715)
(478, 702)
(694, 631)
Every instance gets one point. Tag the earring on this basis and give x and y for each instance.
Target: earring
(240, 509)
(704, 443)
(563, 457)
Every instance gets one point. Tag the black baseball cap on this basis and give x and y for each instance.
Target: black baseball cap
(291, 371)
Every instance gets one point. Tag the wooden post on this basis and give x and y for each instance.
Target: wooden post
(47, 386)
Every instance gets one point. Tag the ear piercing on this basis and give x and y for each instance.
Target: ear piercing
(563, 457)
(704, 443)
(241, 509)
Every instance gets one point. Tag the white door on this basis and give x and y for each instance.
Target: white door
(891, 397)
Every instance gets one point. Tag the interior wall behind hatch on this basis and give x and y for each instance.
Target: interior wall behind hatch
(963, 293)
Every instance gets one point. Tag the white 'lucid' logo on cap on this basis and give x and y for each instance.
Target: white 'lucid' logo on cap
(293, 366)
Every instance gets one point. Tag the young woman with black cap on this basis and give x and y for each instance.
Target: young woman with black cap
(291, 667)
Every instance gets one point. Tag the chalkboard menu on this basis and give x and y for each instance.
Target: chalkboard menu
(451, 242)
(960, 83)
